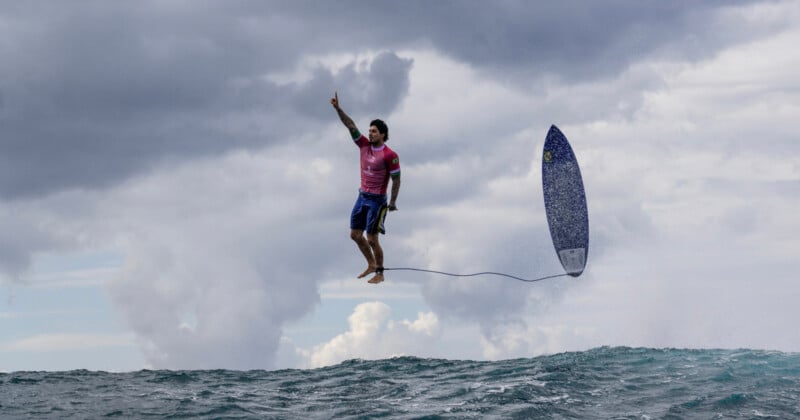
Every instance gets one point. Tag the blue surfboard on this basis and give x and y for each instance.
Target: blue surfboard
(565, 202)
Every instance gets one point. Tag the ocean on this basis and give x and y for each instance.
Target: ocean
(602, 383)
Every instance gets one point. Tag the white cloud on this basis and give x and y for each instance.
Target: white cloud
(230, 260)
(693, 196)
(373, 335)
(350, 288)
(289, 356)
(516, 340)
(692, 175)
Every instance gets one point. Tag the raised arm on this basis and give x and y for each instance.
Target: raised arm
(347, 121)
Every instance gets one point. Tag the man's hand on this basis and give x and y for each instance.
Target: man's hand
(347, 121)
(392, 207)
(335, 100)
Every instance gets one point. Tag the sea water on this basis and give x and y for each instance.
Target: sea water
(603, 383)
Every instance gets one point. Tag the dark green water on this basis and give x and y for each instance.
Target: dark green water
(602, 383)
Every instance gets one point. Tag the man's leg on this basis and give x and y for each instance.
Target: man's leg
(358, 236)
(377, 251)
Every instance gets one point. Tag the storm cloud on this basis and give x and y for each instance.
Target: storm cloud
(196, 141)
(95, 93)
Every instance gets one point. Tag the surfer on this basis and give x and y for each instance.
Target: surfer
(379, 163)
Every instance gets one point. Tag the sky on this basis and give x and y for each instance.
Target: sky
(175, 187)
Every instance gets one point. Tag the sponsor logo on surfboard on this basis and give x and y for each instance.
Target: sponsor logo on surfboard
(548, 156)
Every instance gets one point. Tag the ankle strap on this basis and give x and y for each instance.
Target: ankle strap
(379, 270)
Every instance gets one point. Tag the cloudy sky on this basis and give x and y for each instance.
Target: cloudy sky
(175, 187)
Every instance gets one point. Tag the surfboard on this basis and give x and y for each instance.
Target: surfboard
(565, 202)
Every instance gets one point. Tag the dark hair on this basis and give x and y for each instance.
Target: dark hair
(382, 128)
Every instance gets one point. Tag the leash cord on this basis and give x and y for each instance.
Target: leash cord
(493, 273)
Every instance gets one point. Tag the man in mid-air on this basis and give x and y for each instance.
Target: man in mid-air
(379, 163)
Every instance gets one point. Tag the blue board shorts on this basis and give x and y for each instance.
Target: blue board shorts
(369, 212)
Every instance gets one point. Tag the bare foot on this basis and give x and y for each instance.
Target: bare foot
(377, 278)
(370, 269)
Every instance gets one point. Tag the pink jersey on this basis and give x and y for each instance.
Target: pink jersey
(377, 164)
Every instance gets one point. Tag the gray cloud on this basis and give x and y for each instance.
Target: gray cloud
(376, 92)
(96, 92)
(15, 256)
(223, 254)
(150, 98)
(24, 233)
(524, 40)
